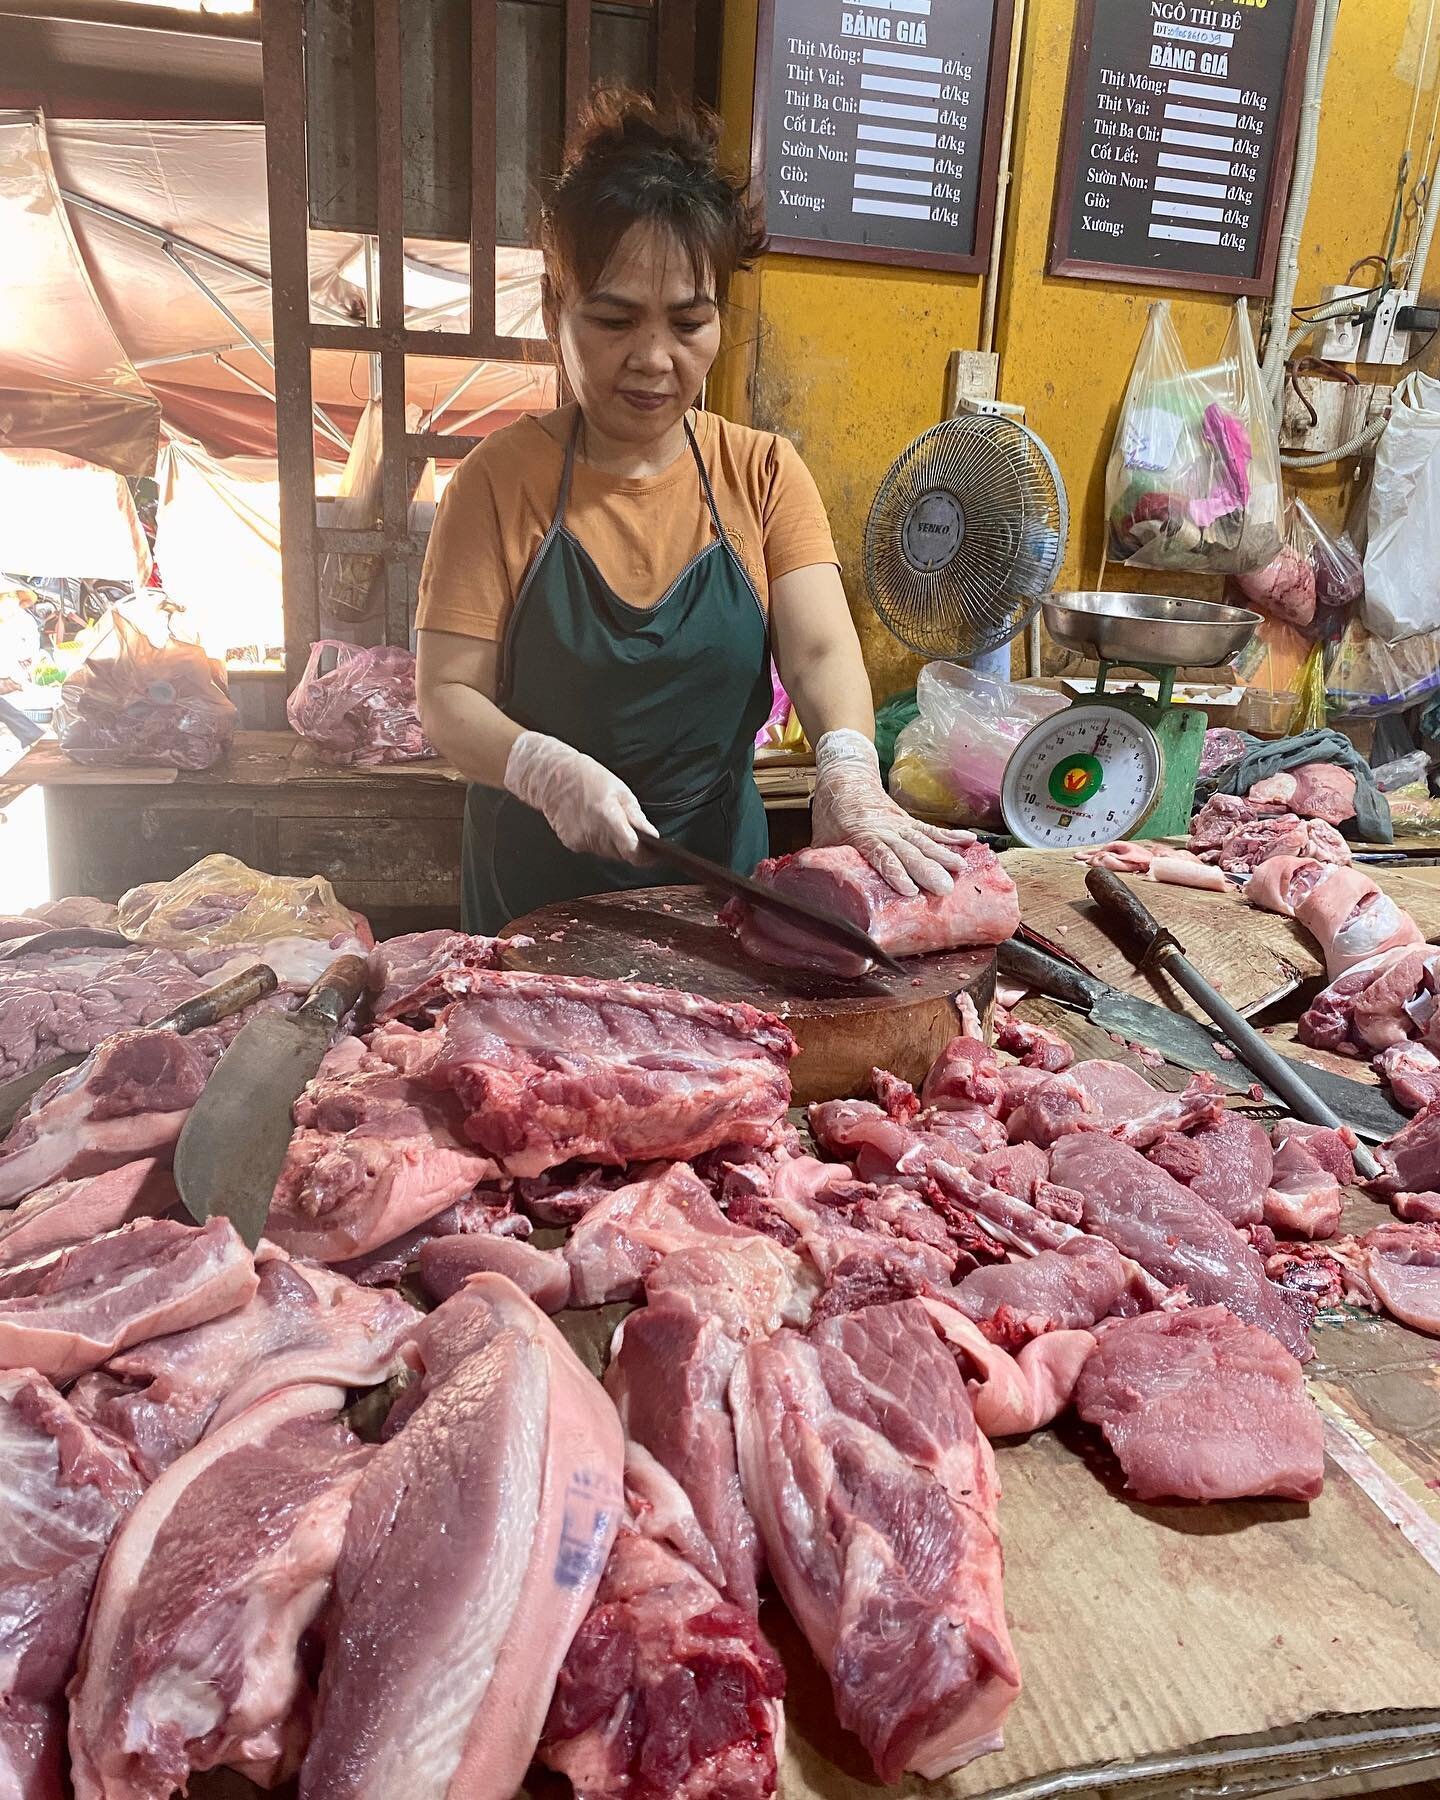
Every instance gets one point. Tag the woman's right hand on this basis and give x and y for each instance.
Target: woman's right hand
(591, 811)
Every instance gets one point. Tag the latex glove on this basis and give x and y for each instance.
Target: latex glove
(852, 807)
(590, 810)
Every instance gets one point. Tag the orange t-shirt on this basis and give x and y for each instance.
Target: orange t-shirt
(640, 532)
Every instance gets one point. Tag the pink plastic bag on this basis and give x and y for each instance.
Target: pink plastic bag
(363, 710)
(137, 702)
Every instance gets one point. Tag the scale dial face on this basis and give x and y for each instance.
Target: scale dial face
(1085, 776)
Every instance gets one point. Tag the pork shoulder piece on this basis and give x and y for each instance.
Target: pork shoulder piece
(554, 1069)
(1402, 1263)
(126, 1101)
(669, 1377)
(376, 1151)
(1199, 1406)
(1227, 1162)
(72, 1311)
(669, 1692)
(1067, 1289)
(981, 908)
(302, 1325)
(64, 1490)
(875, 1496)
(1178, 1238)
(191, 1656)
(475, 1544)
(415, 976)
(71, 1212)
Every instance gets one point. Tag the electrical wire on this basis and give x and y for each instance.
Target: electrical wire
(1318, 459)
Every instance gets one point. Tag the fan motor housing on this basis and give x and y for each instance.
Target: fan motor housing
(932, 531)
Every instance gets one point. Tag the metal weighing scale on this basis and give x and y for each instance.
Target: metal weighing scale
(1116, 765)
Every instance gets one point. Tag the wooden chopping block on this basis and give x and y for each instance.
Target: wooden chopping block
(669, 936)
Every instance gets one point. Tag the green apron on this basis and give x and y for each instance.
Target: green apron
(668, 697)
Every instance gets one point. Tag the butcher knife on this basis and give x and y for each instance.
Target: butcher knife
(228, 1157)
(209, 1008)
(1158, 947)
(1184, 1041)
(819, 921)
(63, 937)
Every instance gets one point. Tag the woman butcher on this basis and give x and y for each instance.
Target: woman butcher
(606, 585)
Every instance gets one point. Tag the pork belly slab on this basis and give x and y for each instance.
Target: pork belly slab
(1198, 1406)
(981, 908)
(475, 1544)
(875, 1496)
(191, 1658)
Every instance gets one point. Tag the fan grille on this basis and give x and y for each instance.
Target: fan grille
(965, 536)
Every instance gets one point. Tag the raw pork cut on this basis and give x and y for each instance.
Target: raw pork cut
(126, 1101)
(875, 1496)
(669, 1377)
(376, 1151)
(966, 1074)
(1226, 1162)
(1245, 848)
(65, 1489)
(668, 1692)
(1314, 791)
(1054, 1290)
(1370, 1006)
(304, 1324)
(858, 1131)
(72, 1212)
(447, 1263)
(361, 711)
(1180, 1239)
(553, 1069)
(1181, 868)
(1410, 1161)
(475, 1544)
(1341, 907)
(32, 1750)
(981, 908)
(1223, 813)
(1304, 1199)
(1198, 1406)
(1413, 1073)
(1012, 1395)
(1402, 1263)
(1033, 1045)
(416, 976)
(1109, 1096)
(68, 1001)
(486, 1213)
(191, 1658)
(69, 1312)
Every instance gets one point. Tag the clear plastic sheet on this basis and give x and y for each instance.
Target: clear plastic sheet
(221, 900)
(950, 761)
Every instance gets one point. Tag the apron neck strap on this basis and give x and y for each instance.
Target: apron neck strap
(567, 475)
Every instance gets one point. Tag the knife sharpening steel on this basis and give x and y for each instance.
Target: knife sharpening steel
(1120, 765)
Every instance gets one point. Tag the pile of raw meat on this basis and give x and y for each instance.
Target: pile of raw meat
(221, 1557)
(362, 710)
(1294, 814)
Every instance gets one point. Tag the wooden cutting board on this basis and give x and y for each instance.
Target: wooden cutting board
(1251, 956)
(669, 936)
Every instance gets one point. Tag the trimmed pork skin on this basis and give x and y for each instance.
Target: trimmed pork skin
(875, 1496)
(1012, 1395)
(476, 1540)
(302, 1325)
(191, 1657)
(556, 1069)
(1340, 906)
(72, 1311)
(1199, 1406)
(981, 908)
(669, 1692)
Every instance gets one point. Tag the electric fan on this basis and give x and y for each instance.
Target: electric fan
(965, 536)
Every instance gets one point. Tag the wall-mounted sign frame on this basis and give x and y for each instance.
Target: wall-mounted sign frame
(877, 127)
(1178, 141)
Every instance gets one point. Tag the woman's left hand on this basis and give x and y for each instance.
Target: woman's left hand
(852, 807)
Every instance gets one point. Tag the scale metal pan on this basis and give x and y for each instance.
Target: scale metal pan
(1141, 630)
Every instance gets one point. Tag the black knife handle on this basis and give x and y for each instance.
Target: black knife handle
(218, 1003)
(1025, 963)
(337, 990)
(1150, 938)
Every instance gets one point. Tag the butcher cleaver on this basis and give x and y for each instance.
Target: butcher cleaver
(1184, 1041)
(228, 1157)
(817, 921)
(209, 1008)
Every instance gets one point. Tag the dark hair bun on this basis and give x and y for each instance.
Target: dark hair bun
(632, 164)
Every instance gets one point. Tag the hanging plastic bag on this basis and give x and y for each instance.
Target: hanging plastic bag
(1402, 554)
(145, 698)
(1313, 577)
(1309, 710)
(1193, 480)
(221, 900)
(362, 710)
(950, 762)
(350, 584)
(1369, 678)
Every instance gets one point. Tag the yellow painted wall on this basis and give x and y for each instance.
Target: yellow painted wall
(850, 360)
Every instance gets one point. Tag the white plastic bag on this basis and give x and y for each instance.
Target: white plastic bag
(1402, 555)
(950, 761)
(1193, 480)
